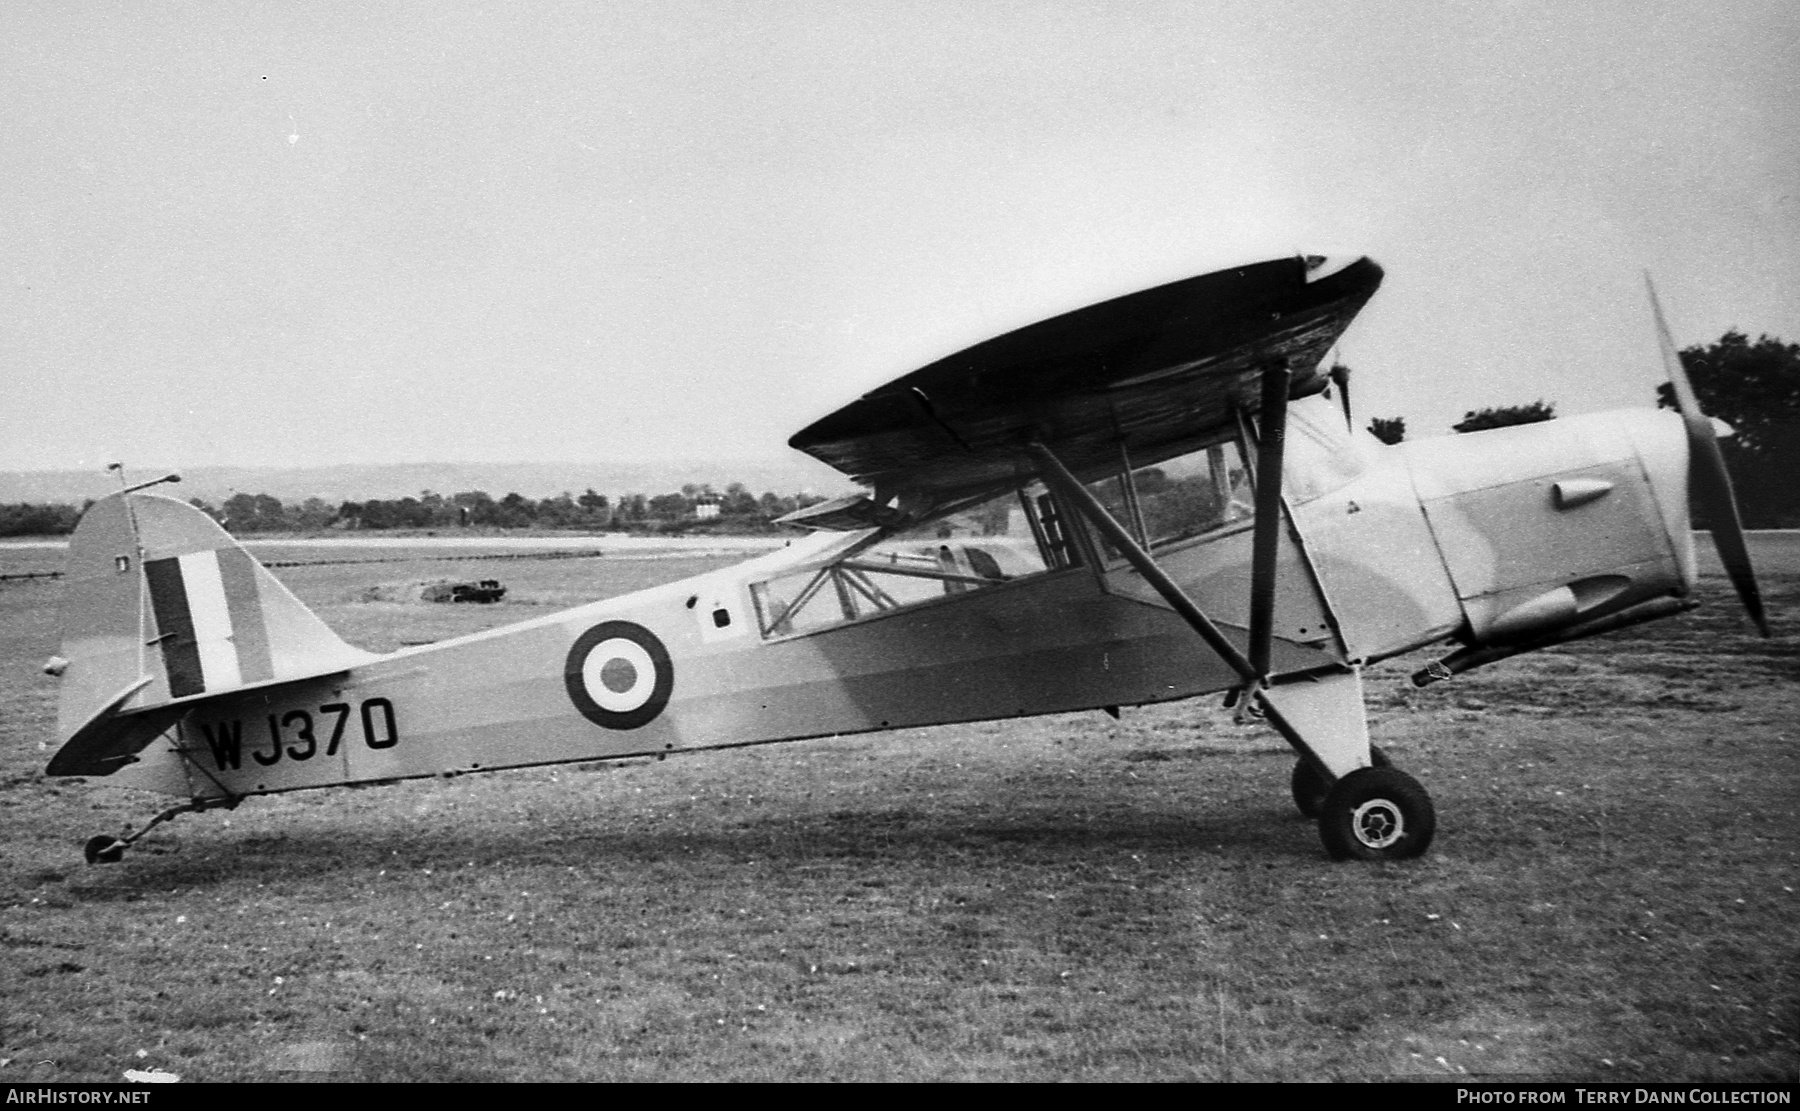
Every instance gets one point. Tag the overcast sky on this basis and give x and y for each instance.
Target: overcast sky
(301, 233)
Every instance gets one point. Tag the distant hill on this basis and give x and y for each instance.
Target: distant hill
(363, 481)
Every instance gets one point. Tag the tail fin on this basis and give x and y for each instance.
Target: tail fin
(162, 606)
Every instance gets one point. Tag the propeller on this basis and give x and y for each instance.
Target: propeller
(1340, 377)
(1707, 478)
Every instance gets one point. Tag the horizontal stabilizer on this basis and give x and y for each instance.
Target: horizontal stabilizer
(108, 741)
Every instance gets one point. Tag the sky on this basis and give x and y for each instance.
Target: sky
(308, 233)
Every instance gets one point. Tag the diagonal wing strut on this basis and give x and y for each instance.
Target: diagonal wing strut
(1335, 737)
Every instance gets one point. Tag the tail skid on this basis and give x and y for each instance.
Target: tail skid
(164, 610)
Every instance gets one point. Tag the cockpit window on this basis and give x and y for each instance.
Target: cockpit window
(1011, 537)
(1180, 497)
(1194, 493)
(1322, 453)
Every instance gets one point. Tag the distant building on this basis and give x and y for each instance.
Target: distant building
(706, 508)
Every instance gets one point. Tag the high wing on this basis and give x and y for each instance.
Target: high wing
(1155, 371)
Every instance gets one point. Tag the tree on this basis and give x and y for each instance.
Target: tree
(206, 508)
(738, 501)
(560, 512)
(475, 507)
(1389, 430)
(670, 507)
(254, 513)
(1481, 420)
(312, 514)
(596, 505)
(1755, 388)
(31, 519)
(514, 511)
(772, 505)
(400, 513)
(436, 510)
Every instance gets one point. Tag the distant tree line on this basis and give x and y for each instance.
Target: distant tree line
(1755, 388)
(1505, 416)
(694, 508)
(1392, 430)
(28, 519)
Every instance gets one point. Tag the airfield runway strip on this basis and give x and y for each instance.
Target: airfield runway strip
(591, 554)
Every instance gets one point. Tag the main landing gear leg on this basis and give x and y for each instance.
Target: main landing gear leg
(110, 850)
(1331, 733)
(1367, 809)
(1309, 788)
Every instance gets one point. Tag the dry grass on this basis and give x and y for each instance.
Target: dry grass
(1611, 896)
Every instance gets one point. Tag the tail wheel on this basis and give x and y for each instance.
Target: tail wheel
(1377, 814)
(104, 850)
(1310, 788)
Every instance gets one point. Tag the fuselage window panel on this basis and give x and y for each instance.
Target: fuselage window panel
(997, 541)
(1194, 493)
(1178, 498)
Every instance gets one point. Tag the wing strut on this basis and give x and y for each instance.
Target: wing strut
(1272, 424)
(1057, 476)
(1335, 735)
(1271, 442)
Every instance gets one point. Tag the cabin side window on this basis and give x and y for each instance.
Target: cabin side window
(1015, 536)
(1194, 493)
(1180, 497)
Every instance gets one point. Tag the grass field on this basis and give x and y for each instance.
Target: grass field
(1612, 894)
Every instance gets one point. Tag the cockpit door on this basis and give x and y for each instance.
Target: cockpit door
(1194, 513)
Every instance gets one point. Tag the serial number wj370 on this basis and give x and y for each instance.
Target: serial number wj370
(299, 735)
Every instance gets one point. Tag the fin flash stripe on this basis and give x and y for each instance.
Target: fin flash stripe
(208, 621)
(174, 627)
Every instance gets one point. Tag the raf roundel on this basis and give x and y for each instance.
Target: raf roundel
(619, 675)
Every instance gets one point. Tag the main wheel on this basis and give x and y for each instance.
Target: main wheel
(1376, 814)
(1310, 787)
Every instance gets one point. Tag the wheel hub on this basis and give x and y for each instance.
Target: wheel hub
(1377, 823)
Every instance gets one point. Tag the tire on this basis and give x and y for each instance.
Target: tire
(1377, 814)
(1310, 788)
(104, 850)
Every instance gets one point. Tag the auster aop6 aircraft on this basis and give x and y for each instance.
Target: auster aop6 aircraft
(1147, 499)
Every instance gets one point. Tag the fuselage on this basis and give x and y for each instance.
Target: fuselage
(1010, 608)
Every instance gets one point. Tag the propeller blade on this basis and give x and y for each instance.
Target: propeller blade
(1340, 377)
(1708, 480)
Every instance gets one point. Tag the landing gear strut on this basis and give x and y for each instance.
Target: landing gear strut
(1310, 788)
(105, 849)
(1370, 813)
